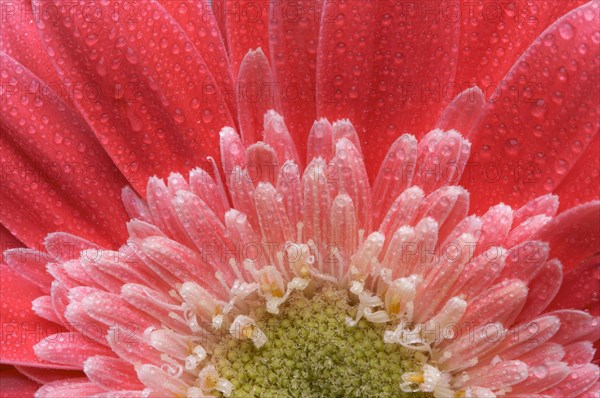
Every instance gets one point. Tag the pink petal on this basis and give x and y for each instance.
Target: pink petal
(441, 159)
(233, 152)
(289, 186)
(111, 373)
(502, 303)
(69, 349)
(385, 69)
(317, 202)
(163, 213)
(592, 392)
(579, 380)
(205, 187)
(481, 272)
(496, 223)
(402, 211)
(464, 112)
(494, 35)
(22, 329)
(64, 247)
(149, 97)
(542, 289)
(136, 207)
(199, 22)
(497, 376)
(15, 385)
(293, 36)
(546, 205)
(575, 326)
(176, 264)
(278, 137)
(113, 311)
(20, 40)
(556, 82)
(57, 175)
(206, 231)
(262, 164)
(44, 376)
(542, 377)
(475, 343)
(580, 288)
(80, 388)
(320, 141)
(247, 26)
(80, 320)
(448, 206)
(241, 232)
(527, 230)
(437, 286)
(395, 175)
(574, 235)
(525, 261)
(7, 240)
(257, 93)
(44, 308)
(156, 304)
(30, 265)
(344, 232)
(580, 184)
(525, 337)
(272, 217)
(547, 352)
(350, 177)
(581, 352)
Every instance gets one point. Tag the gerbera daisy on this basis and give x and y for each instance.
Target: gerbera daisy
(297, 199)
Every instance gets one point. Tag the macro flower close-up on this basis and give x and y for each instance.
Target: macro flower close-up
(300, 198)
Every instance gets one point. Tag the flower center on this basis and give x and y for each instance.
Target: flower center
(312, 352)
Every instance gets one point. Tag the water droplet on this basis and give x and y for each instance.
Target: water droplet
(195, 103)
(566, 31)
(131, 56)
(179, 117)
(511, 146)
(58, 138)
(91, 39)
(562, 166)
(207, 116)
(539, 109)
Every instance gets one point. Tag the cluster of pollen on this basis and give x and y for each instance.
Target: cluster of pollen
(311, 351)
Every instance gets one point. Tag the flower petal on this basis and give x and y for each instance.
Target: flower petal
(146, 94)
(22, 329)
(247, 26)
(574, 235)
(550, 92)
(293, 36)
(580, 184)
(200, 25)
(20, 40)
(494, 35)
(81, 388)
(464, 112)
(56, 176)
(257, 93)
(580, 288)
(14, 385)
(542, 289)
(44, 376)
(385, 68)
(69, 349)
(579, 380)
(111, 373)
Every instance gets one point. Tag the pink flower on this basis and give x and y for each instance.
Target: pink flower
(386, 222)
